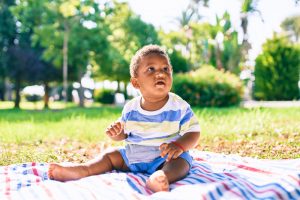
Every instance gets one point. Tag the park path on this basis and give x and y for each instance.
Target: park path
(270, 104)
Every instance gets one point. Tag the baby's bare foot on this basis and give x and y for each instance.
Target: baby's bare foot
(158, 181)
(66, 173)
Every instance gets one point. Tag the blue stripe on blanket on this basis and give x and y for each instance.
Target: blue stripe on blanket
(213, 176)
(131, 183)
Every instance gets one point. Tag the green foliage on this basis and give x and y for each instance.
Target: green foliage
(33, 97)
(208, 87)
(204, 43)
(292, 26)
(7, 37)
(179, 63)
(128, 35)
(82, 22)
(277, 71)
(105, 96)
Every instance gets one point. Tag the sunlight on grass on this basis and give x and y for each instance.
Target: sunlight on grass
(6, 104)
(62, 134)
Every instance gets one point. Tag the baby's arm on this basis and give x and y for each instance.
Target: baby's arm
(116, 131)
(184, 143)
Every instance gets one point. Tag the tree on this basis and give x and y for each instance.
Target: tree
(16, 42)
(186, 17)
(28, 14)
(224, 49)
(28, 67)
(277, 70)
(8, 35)
(77, 28)
(127, 37)
(292, 26)
(195, 4)
(249, 7)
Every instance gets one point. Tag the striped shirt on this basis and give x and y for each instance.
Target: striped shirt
(152, 128)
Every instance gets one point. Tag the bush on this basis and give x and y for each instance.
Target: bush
(33, 97)
(105, 96)
(277, 71)
(179, 63)
(59, 90)
(208, 86)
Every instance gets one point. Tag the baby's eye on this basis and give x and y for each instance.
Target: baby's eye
(166, 69)
(150, 69)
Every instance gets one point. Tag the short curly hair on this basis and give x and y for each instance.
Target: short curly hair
(143, 52)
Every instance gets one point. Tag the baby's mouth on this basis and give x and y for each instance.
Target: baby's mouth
(160, 83)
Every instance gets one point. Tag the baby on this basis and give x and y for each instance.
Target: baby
(159, 129)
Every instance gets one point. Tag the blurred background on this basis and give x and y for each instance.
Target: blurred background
(224, 53)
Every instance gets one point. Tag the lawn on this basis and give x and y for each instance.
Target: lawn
(77, 134)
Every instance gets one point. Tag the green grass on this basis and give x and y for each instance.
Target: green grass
(77, 134)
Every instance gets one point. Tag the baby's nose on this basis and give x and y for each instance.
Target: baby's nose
(160, 73)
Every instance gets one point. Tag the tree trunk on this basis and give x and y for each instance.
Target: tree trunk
(46, 96)
(81, 96)
(17, 90)
(80, 90)
(65, 61)
(218, 58)
(3, 79)
(2, 89)
(119, 86)
(125, 90)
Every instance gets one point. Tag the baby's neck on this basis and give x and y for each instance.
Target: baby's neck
(153, 104)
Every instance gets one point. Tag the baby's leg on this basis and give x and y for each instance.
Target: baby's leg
(110, 160)
(172, 171)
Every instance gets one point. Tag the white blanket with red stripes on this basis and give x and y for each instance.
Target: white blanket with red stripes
(213, 176)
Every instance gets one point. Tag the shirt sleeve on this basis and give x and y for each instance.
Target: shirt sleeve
(189, 122)
(123, 117)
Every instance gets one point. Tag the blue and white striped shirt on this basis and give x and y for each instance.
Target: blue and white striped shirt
(152, 128)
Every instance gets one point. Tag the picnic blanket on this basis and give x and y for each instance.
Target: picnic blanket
(213, 176)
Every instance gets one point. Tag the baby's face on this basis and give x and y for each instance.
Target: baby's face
(154, 76)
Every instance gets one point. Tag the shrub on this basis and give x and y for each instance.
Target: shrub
(33, 97)
(105, 96)
(208, 86)
(179, 63)
(277, 71)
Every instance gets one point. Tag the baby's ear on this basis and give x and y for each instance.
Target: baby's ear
(134, 82)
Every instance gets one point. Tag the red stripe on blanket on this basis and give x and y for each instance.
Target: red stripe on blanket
(253, 189)
(7, 181)
(228, 189)
(202, 168)
(295, 179)
(34, 170)
(206, 177)
(137, 180)
(251, 169)
(243, 167)
(199, 159)
(48, 192)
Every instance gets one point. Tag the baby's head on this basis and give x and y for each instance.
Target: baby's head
(142, 53)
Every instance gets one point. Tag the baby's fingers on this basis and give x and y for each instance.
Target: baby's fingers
(111, 131)
(176, 154)
(108, 132)
(170, 155)
(164, 149)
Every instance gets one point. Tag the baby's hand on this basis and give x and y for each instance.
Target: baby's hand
(171, 149)
(115, 129)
